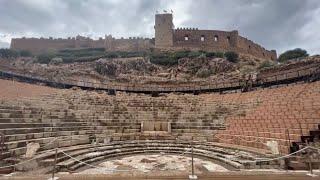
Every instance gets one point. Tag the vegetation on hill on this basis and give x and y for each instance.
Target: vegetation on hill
(85, 55)
(158, 58)
(171, 58)
(266, 64)
(232, 56)
(9, 53)
(293, 54)
(45, 58)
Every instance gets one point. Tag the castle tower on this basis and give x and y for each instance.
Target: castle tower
(163, 30)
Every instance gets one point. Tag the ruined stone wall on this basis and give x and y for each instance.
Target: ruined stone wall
(131, 44)
(209, 40)
(41, 45)
(247, 46)
(168, 38)
(213, 40)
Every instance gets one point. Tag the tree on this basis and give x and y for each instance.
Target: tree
(293, 54)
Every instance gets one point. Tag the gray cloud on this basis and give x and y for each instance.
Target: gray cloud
(275, 24)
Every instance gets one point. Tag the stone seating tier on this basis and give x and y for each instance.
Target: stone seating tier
(249, 119)
(232, 157)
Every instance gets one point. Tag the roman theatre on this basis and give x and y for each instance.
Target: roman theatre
(77, 127)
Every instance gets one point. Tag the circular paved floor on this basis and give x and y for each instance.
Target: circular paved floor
(154, 164)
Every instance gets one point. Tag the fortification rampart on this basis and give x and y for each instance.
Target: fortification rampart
(166, 38)
(130, 44)
(207, 40)
(246, 46)
(38, 45)
(214, 40)
(41, 45)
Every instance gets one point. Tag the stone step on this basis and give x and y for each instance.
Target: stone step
(134, 148)
(36, 125)
(12, 131)
(19, 147)
(30, 136)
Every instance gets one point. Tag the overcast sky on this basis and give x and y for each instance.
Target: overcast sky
(275, 24)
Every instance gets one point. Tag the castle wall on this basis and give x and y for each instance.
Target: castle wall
(247, 46)
(131, 44)
(163, 30)
(166, 38)
(40, 45)
(209, 40)
(37, 46)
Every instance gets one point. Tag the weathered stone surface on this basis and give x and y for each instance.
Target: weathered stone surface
(273, 146)
(32, 148)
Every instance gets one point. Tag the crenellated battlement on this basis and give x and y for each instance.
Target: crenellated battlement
(41, 45)
(189, 38)
(186, 28)
(166, 38)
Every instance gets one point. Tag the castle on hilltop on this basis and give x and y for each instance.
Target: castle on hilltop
(166, 38)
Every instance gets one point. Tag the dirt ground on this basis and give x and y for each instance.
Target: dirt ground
(10, 89)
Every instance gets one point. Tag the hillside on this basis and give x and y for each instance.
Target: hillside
(156, 68)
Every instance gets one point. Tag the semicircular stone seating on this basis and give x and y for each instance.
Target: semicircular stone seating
(92, 126)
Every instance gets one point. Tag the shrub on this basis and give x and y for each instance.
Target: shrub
(219, 54)
(81, 52)
(210, 54)
(88, 58)
(180, 54)
(232, 56)
(292, 54)
(124, 54)
(164, 60)
(266, 64)
(25, 53)
(8, 53)
(204, 73)
(195, 54)
(109, 69)
(45, 58)
(111, 55)
(56, 60)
